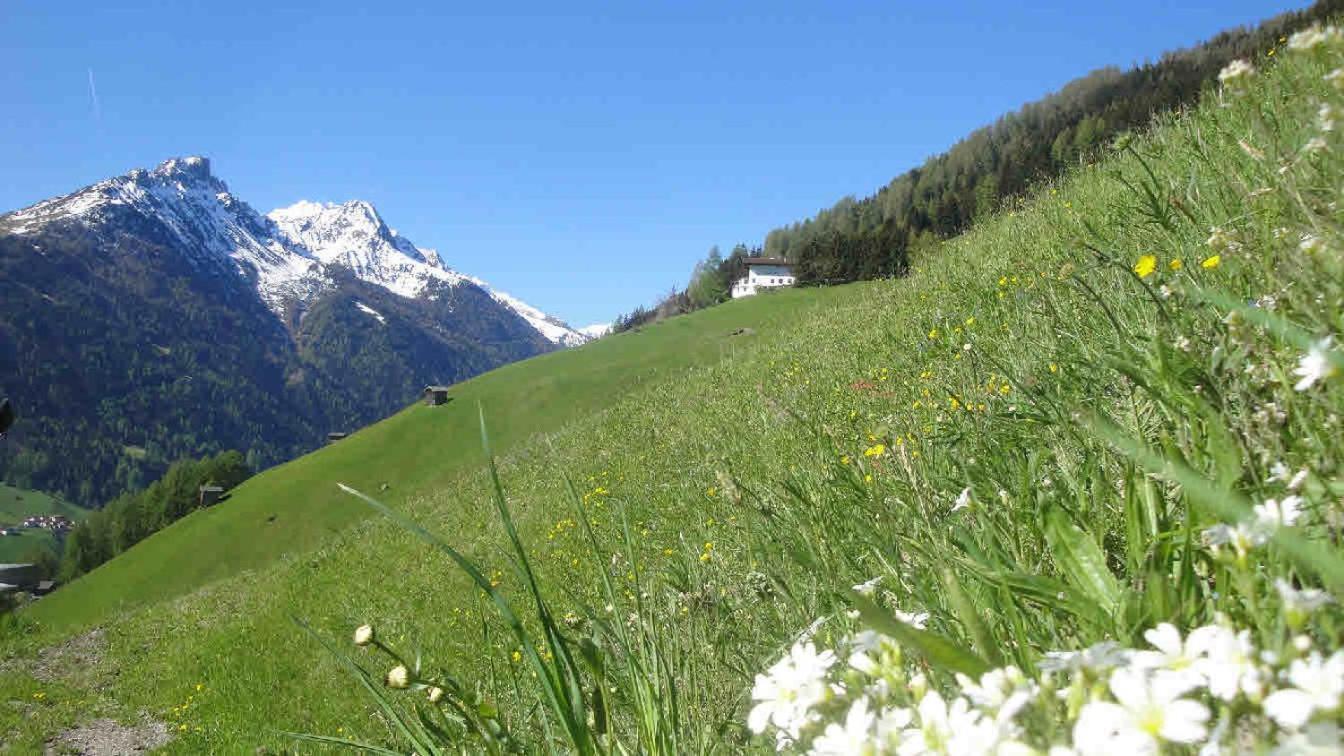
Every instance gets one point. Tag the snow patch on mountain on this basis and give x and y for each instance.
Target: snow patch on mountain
(555, 330)
(596, 330)
(378, 316)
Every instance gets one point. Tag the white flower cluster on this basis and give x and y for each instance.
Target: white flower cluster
(1206, 690)
(1310, 39)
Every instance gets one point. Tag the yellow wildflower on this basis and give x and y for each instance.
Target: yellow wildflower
(876, 450)
(1211, 262)
(1145, 266)
(1176, 264)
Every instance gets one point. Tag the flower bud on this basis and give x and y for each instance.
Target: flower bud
(435, 694)
(363, 635)
(398, 677)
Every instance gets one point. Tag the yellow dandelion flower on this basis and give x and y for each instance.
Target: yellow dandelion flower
(1054, 368)
(1176, 264)
(517, 656)
(933, 333)
(876, 450)
(1145, 266)
(844, 459)
(868, 479)
(704, 557)
(1211, 262)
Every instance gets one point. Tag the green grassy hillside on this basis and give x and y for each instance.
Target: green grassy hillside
(293, 508)
(1022, 441)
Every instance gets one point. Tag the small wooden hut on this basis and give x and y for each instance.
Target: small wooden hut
(435, 395)
(210, 494)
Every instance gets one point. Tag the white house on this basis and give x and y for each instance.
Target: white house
(763, 273)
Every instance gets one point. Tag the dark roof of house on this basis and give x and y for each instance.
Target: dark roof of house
(216, 489)
(766, 261)
(435, 388)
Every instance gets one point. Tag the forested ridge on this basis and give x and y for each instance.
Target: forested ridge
(132, 517)
(860, 239)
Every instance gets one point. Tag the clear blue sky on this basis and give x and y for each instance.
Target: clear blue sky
(579, 156)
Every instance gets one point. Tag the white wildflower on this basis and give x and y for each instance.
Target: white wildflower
(1310, 244)
(1147, 711)
(1173, 658)
(1098, 657)
(1318, 685)
(916, 620)
(1229, 662)
(944, 728)
(854, 736)
(1326, 117)
(963, 499)
(1242, 538)
(1001, 693)
(1273, 514)
(868, 587)
(1305, 600)
(788, 691)
(1278, 472)
(1298, 479)
(1315, 365)
(1236, 72)
(891, 723)
(1317, 739)
(434, 694)
(1307, 39)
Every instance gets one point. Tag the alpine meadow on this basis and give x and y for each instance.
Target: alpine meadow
(1071, 483)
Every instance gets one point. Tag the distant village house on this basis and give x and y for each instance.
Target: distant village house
(435, 395)
(335, 436)
(57, 523)
(763, 273)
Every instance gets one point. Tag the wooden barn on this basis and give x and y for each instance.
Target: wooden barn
(435, 395)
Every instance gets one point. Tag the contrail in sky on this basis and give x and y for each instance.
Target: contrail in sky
(93, 93)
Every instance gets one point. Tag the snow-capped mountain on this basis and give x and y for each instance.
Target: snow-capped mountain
(158, 311)
(354, 236)
(286, 252)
